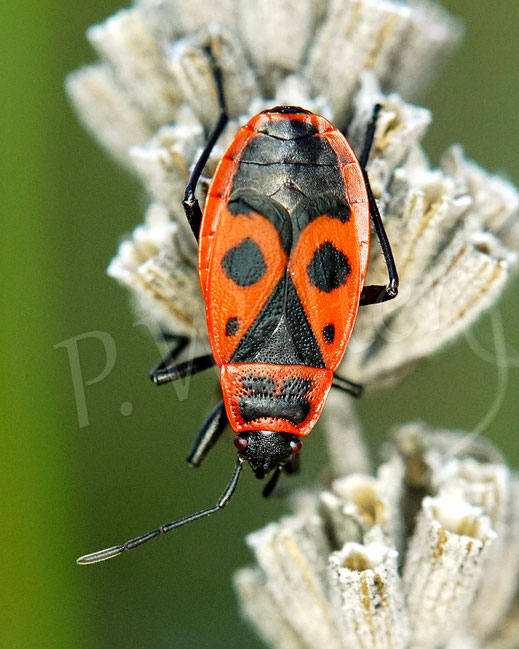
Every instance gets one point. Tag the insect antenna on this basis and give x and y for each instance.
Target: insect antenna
(108, 553)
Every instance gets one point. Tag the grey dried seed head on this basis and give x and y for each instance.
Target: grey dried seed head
(448, 578)
(152, 98)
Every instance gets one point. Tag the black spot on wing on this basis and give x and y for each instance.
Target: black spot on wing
(329, 333)
(244, 264)
(231, 326)
(244, 201)
(329, 268)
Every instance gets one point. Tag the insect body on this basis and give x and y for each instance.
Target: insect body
(283, 254)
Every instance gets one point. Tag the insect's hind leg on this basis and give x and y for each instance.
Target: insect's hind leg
(373, 294)
(168, 370)
(190, 202)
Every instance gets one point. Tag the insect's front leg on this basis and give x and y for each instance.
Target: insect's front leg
(190, 202)
(208, 435)
(355, 389)
(374, 294)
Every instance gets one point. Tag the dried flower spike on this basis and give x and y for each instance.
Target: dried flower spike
(425, 554)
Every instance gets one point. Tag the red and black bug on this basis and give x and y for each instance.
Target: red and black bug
(283, 245)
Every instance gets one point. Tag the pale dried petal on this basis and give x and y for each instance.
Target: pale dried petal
(495, 599)
(507, 636)
(137, 62)
(260, 608)
(278, 47)
(390, 38)
(495, 199)
(108, 113)
(450, 539)
(374, 501)
(192, 66)
(343, 520)
(162, 162)
(187, 17)
(450, 271)
(449, 561)
(293, 558)
(157, 272)
(367, 595)
(400, 128)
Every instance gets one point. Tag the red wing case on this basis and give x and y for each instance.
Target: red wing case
(284, 242)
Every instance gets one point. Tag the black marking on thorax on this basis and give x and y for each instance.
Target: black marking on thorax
(287, 129)
(288, 169)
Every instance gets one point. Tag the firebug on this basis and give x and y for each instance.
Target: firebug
(283, 244)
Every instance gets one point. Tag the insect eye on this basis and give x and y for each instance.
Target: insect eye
(296, 447)
(240, 443)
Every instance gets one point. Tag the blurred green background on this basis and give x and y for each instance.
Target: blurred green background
(66, 490)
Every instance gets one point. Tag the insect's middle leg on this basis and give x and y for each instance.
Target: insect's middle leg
(169, 371)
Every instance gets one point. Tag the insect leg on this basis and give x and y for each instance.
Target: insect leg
(190, 202)
(168, 371)
(271, 484)
(211, 430)
(290, 468)
(374, 293)
(354, 389)
(177, 339)
(370, 134)
(179, 344)
(167, 527)
(294, 466)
